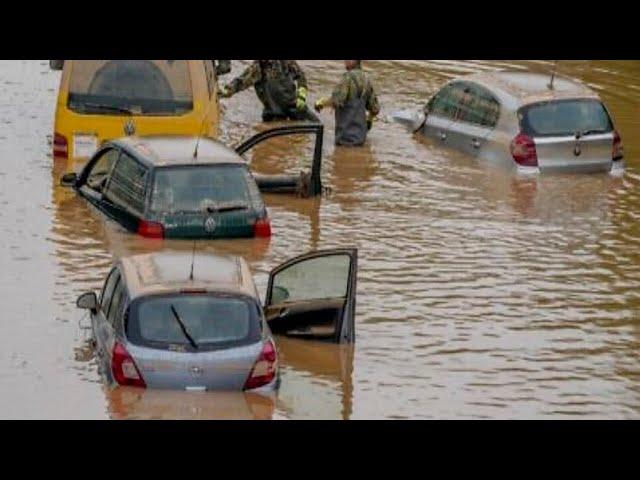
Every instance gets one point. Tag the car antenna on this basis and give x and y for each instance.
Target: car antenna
(553, 74)
(193, 258)
(195, 151)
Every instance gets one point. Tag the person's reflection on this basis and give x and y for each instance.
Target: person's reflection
(352, 170)
(139, 403)
(312, 374)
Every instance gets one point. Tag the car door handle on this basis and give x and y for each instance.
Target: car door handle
(443, 136)
(475, 143)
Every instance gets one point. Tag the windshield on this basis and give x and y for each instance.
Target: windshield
(205, 188)
(133, 87)
(193, 322)
(564, 117)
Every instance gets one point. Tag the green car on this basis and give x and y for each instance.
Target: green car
(187, 187)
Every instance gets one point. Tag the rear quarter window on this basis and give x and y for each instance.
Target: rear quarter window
(127, 186)
(564, 117)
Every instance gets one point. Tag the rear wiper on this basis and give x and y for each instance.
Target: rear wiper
(582, 133)
(183, 328)
(110, 108)
(226, 208)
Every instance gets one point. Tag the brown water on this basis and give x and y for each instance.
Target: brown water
(480, 294)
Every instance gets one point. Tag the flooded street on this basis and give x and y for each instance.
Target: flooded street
(480, 294)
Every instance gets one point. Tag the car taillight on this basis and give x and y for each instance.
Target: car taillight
(265, 368)
(124, 369)
(618, 150)
(60, 146)
(262, 227)
(523, 151)
(150, 229)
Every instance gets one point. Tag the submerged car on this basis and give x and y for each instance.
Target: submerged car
(187, 187)
(528, 121)
(178, 321)
(99, 100)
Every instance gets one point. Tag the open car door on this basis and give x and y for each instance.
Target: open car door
(305, 184)
(314, 296)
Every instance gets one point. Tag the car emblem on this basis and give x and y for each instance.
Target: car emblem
(576, 150)
(129, 128)
(196, 371)
(210, 224)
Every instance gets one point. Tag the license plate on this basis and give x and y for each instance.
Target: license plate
(84, 145)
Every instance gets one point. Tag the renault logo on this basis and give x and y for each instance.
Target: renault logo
(129, 128)
(210, 225)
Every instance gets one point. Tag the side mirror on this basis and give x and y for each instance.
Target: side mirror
(56, 64)
(88, 301)
(69, 179)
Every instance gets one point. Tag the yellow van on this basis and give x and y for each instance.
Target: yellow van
(100, 100)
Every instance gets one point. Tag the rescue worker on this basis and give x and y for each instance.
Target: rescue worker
(280, 85)
(355, 104)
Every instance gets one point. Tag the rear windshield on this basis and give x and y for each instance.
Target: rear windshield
(202, 188)
(136, 87)
(211, 321)
(564, 117)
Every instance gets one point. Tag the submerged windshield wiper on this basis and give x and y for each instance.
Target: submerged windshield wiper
(183, 328)
(110, 108)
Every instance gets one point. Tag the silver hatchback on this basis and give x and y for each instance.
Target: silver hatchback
(522, 120)
(173, 321)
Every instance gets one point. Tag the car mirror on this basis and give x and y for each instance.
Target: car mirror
(69, 179)
(279, 295)
(56, 64)
(88, 301)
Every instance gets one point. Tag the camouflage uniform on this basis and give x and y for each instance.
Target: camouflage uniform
(354, 102)
(222, 66)
(275, 84)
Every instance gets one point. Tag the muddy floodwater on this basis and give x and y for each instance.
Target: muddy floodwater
(480, 294)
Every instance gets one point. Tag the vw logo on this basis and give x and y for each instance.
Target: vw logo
(577, 151)
(196, 371)
(129, 128)
(210, 225)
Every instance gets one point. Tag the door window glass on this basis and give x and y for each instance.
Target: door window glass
(116, 303)
(107, 291)
(128, 184)
(99, 174)
(312, 279)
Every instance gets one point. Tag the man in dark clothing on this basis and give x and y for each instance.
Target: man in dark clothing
(355, 104)
(280, 85)
(222, 66)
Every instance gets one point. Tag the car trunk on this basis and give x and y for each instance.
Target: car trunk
(208, 225)
(225, 369)
(574, 135)
(584, 154)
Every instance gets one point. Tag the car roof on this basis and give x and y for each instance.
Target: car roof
(169, 150)
(527, 87)
(157, 273)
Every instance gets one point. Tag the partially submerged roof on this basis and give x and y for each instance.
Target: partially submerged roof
(179, 150)
(527, 87)
(156, 273)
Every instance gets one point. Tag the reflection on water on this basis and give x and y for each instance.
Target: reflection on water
(480, 294)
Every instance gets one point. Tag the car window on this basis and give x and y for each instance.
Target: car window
(210, 320)
(190, 189)
(444, 103)
(476, 105)
(116, 303)
(312, 279)
(127, 185)
(210, 74)
(564, 117)
(107, 291)
(141, 87)
(98, 176)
